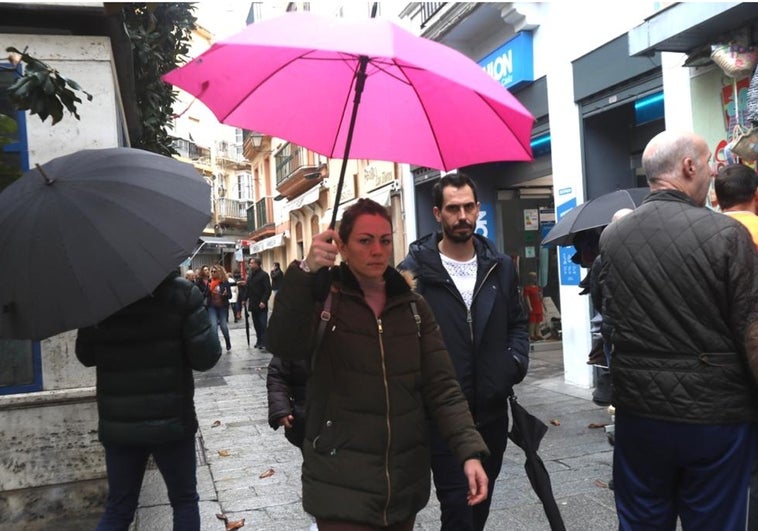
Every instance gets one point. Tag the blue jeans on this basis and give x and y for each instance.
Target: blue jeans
(219, 317)
(664, 469)
(452, 486)
(126, 468)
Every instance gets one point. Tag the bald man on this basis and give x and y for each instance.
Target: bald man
(680, 294)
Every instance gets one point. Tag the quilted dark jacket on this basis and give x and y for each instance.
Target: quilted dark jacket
(366, 453)
(489, 345)
(680, 295)
(145, 354)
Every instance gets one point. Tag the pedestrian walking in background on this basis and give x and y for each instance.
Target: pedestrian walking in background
(235, 295)
(237, 304)
(380, 368)
(533, 299)
(145, 355)
(276, 279)
(680, 295)
(219, 293)
(203, 280)
(258, 293)
(190, 275)
(473, 291)
(736, 188)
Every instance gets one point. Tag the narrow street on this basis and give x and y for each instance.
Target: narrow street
(237, 446)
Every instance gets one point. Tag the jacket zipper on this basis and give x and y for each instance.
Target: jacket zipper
(470, 323)
(387, 419)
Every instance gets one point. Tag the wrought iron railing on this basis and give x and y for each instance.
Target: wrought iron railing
(232, 208)
(428, 10)
(288, 159)
(261, 214)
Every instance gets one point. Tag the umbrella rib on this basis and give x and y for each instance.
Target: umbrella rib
(273, 73)
(428, 120)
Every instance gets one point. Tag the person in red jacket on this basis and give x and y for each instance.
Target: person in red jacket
(533, 299)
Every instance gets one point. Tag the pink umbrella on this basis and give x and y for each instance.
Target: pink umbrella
(420, 102)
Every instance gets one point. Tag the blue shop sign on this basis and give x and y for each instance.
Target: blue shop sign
(512, 64)
(485, 225)
(569, 272)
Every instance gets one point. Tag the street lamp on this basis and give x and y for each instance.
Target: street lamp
(257, 139)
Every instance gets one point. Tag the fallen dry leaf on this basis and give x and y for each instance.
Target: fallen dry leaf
(216, 424)
(595, 425)
(235, 524)
(555, 422)
(601, 484)
(224, 453)
(267, 474)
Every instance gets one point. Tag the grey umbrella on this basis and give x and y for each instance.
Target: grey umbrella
(88, 233)
(592, 214)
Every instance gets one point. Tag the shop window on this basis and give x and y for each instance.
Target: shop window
(20, 362)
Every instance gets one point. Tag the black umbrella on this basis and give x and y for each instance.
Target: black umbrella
(247, 324)
(592, 214)
(527, 432)
(88, 233)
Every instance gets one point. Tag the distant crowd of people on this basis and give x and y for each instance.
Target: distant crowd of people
(382, 374)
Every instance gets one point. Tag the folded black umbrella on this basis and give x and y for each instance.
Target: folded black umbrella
(592, 214)
(527, 432)
(247, 324)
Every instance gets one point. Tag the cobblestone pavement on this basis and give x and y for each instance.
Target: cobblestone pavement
(236, 447)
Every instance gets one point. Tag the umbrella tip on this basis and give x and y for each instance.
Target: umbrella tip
(48, 180)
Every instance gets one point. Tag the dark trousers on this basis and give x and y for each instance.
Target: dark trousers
(698, 472)
(451, 483)
(260, 323)
(126, 468)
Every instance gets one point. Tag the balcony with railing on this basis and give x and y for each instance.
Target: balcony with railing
(260, 219)
(297, 171)
(232, 212)
(428, 10)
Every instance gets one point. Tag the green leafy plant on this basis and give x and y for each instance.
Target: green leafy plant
(42, 90)
(160, 35)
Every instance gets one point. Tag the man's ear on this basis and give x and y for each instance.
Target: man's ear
(436, 212)
(688, 165)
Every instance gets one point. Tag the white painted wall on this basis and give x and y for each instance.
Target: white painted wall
(566, 32)
(50, 438)
(88, 61)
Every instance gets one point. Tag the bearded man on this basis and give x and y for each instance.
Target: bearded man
(473, 291)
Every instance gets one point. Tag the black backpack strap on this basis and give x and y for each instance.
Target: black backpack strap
(326, 316)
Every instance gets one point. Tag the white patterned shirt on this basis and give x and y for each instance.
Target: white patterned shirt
(463, 275)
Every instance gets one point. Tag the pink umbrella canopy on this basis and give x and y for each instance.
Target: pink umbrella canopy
(423, 103)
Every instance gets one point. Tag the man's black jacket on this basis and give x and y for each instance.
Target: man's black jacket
(489, 346)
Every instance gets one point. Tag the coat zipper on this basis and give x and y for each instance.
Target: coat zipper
(470, 323)
(389, 428)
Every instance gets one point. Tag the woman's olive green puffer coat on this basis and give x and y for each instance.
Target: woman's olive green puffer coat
(374, 384)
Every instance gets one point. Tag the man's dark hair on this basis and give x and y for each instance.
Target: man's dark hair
(735, 184)
(256, 259)
(456, 180)
(361, 207)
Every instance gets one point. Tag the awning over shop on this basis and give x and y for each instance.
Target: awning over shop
(309, 197)
(684, 26)
(216, 243)
(380, 195)
(276, 240)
